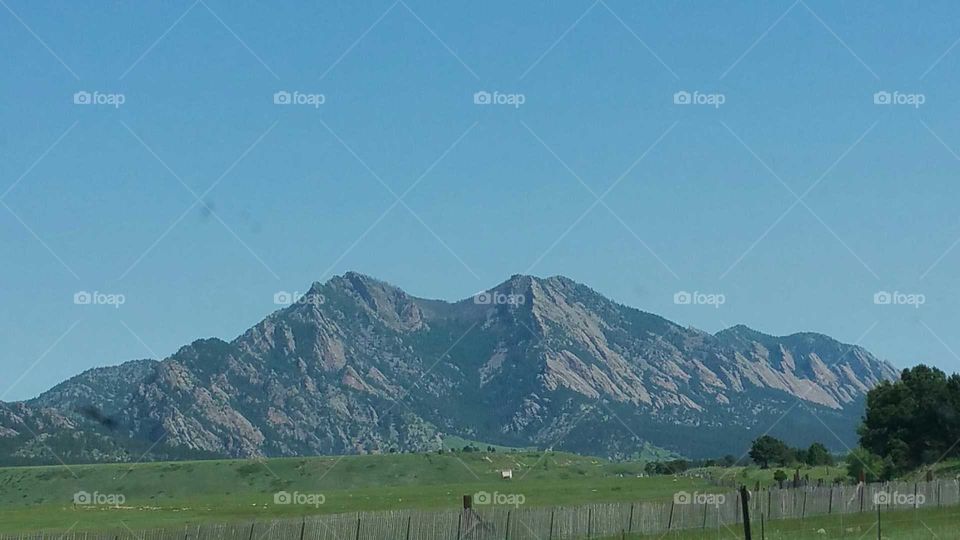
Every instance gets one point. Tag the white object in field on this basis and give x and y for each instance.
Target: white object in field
(506, 474)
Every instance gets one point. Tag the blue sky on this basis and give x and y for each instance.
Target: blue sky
(198, 198)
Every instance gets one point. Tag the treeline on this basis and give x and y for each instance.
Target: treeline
(765, 451)
(677, 466)
(908, 424)
(768, 450)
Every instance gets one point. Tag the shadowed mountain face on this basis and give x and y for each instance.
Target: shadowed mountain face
(357, 365)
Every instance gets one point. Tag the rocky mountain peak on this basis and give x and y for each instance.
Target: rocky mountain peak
(515, 365)
(383, 301)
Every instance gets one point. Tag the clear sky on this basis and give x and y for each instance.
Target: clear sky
(185, 188)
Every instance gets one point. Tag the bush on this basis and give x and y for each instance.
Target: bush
(862, 464)
(780, 476)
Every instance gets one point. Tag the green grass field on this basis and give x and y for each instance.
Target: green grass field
(162, 494)
(750, 476)
(930, 524)
(193, 492)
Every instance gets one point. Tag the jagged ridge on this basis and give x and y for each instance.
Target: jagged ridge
(358, 365)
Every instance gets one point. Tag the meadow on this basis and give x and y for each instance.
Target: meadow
(177, 494)
(924, 524)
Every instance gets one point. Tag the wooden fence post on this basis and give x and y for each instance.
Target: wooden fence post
(830, 504)
(252, 525)
(303, 526)
(551, 524)
(745, 504)
(459, 524)
(670, 519)
(358, 526)
(803, 510)
(590, 522)
(410, 517)
(879, 525)
(630, 524)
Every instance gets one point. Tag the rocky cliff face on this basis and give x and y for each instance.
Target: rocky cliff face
(357, 365)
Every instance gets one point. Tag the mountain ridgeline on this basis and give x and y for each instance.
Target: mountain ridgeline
(359, 366)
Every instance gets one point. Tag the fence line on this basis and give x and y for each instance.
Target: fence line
(686, 511)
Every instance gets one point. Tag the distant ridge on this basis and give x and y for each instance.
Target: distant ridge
(358, 365)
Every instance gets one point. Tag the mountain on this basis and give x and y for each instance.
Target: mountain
(357, 365)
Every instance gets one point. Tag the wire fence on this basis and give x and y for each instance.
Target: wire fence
(489, 522)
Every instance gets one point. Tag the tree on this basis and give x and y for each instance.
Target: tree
(767, 449)
(780, 477)
(861, 463)
(913, 421)
(818, 454)
(675, 466)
